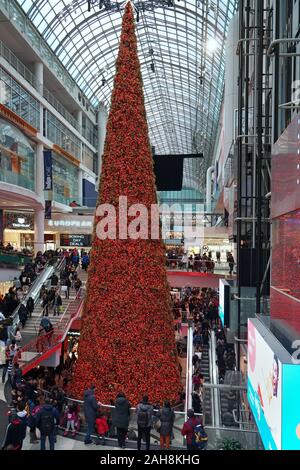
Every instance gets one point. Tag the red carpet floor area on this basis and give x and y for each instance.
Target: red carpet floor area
(184, 279)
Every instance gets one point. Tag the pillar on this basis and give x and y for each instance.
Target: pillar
(78, 117)
(80, 195)
(102, 120)
(39, 76)
(39, 222)
(1, 225)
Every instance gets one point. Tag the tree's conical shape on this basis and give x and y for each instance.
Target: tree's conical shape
(127, 338)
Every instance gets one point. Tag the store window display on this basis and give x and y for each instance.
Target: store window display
(65, 180)
(17, 157)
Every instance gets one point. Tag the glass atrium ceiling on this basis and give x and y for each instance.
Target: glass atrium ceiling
(181, 50)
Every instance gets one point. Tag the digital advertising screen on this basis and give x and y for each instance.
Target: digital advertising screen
(290, 407)
(265, 388)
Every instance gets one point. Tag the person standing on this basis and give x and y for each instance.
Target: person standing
(166, 416)
(230, 261)
(57, 303)
(189, 429)
(46, 420)
(30, 306)
(68, 285)
(90, 408)
(120, 418)
(144, 413)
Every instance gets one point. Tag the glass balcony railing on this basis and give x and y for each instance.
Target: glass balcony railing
(24, 71)
(11, 177)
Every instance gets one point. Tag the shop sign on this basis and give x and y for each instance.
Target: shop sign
(70, 223)
(19, 221)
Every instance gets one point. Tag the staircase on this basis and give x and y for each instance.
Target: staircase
(36, 348)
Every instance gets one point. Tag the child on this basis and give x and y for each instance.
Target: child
(102, 428)
(71, 418)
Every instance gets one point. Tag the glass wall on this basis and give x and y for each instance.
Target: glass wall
(19, 100)
(89, 131)
(65, 180)
(88, 157)
(17, 157)
(60, 135)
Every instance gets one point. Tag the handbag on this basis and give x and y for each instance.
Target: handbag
(64, 288)
(157, 425)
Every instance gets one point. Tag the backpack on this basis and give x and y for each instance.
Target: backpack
(199, 437)
(47, 424)
(143, 418)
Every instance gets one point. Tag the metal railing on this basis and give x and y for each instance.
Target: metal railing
(28, 75)
(60, 108)
(217, 435)
(13, 60)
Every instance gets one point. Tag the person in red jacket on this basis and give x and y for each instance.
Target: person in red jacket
(188, 429)
(102, 428)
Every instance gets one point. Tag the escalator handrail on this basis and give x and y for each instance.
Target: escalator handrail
(49, 269)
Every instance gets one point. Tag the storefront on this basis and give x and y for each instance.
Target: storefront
(19, 229)
(62, 231)
(70, 231)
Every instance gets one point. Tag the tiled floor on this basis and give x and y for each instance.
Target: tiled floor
(64, 443)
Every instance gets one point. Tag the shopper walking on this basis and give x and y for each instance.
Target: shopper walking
(120, 418)
(14, 433)
(144, 413)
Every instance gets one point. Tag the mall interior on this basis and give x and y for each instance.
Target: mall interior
(221, 91)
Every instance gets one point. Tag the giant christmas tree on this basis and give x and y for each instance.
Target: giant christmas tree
(127, 338)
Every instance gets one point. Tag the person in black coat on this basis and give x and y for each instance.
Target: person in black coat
(121, 417)
(14, 433)
(46, 420)
(23, 314)
(30, 306)
(54, 280)
(90, 408)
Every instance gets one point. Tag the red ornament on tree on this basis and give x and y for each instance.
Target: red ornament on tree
(127, 340)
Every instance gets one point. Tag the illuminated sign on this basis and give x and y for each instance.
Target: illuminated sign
(19, 221)
(75, 240)
(70, 223)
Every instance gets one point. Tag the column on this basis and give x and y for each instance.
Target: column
(39, 223)
(39, 171)
(102, 120)
(39, 76)
(1, 225)
(78, 117)
(80, 195)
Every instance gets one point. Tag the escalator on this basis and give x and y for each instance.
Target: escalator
(207, 398)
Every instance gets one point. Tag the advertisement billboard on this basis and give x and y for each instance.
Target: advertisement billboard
(224, 301)
(264, 388)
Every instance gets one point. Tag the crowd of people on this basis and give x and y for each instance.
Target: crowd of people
(8, 248)
(177, 258)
